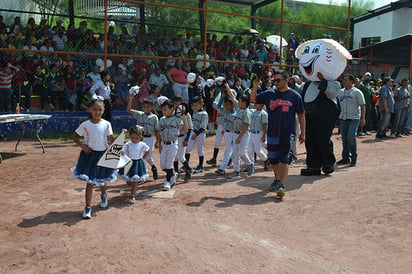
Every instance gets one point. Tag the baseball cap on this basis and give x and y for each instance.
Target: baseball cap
(379, 80)
(387, 79)
(368, 74)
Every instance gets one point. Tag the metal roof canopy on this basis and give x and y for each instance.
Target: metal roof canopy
(396, 52)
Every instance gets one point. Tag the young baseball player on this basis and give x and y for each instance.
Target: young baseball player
(183, 139)
(150, 124)
(228, 108)
(220, 116)
(257, 130)
(241, 138)
(197, 137)
(170, 126)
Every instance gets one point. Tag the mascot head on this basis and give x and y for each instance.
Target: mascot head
(326, 56)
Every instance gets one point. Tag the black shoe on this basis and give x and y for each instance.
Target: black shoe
(328, 169)
(309, 172)
(352, 163)
(188, 174)
(155, 174)
(343, 162)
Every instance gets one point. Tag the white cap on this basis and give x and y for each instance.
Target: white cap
(210, 82)
(161, 99)
(134, 90)
(368, 74)
(219, 80)
(191, 77)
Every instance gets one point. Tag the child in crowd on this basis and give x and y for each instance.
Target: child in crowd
(200, 120)
(183, 139)
(170, 126)
(220, 116)
(137, 151)
(241, 138)
(257, 129)
(153, 97)
(150, 124)
(96, 132)
(228, 106)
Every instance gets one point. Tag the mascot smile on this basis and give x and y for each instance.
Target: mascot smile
(322, 55)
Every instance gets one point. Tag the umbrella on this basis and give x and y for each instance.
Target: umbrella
(249, 31)
(275, 40)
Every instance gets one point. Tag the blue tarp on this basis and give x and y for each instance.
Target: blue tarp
(66, 122)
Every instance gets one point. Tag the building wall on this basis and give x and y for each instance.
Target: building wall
(402, 22)
(379, 26)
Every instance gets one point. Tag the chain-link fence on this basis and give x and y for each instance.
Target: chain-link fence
(49, 60)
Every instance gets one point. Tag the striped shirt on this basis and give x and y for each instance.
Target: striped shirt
(6, 79)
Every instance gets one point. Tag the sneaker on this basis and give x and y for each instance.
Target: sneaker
(188, 174)
(103, 203)
(166, 186)
(87, 212)
(211, 162)
(361, 134)
(220, 172)
(174, 179)
(275, 185)
(280, 193)
(400, 135)
(131, 200)
(352, 163)
(199, 169)
(251, 169)
(368, 133)
(343, 162)
(234, 175)
(392, 136)
(266, 165)
(155, 174)
(182, 169)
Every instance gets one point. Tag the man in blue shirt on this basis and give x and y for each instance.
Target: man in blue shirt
(386, 107)
(282, 106)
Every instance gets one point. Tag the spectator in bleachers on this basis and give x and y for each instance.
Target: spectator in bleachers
(58, 26)
(54, 86)
(37, 82)
(48, 45)
(59, 39)
(21, 88)
(31, 25)
(69, 80)
(94, 74)
(6, 77)
(2, 24)
(177, 76)
(16, 28)
(72, 34)
(121, 85)
(159, 79)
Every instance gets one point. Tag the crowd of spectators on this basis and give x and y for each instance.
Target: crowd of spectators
(58, 75)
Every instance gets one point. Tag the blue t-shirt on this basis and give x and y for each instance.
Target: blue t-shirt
(282, 108)
(386, 92)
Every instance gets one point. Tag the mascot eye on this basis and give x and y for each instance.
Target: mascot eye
(306, 50)
(316, 49)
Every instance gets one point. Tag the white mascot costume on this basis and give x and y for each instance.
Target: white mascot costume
(321, 61)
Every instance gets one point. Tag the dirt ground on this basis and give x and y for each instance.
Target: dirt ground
(358, 220)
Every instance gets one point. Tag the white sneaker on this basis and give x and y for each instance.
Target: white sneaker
(131, 200)
(87, 213)
(166, 186)
(103, 203)
(392, 136)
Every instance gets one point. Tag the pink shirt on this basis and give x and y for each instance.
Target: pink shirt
(6, 79)
(179, 76)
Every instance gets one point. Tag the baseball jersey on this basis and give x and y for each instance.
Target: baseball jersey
(170, 127)
(189, 124)
(242, 117)
(149, 122)
(135, 151)
(200, 120)
(350, 101)
(228, 120)
(257, 119)
(95, 135)
(282, 108)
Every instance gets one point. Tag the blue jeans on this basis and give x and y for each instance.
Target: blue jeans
(348, 130)
(383, 124)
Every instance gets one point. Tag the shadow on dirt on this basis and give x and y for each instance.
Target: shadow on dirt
(257, 198)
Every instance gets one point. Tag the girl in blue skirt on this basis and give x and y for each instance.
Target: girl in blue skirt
(96, 133)
(137, 151)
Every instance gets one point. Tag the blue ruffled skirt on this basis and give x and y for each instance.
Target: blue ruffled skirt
(136, 173)
(86, 169)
